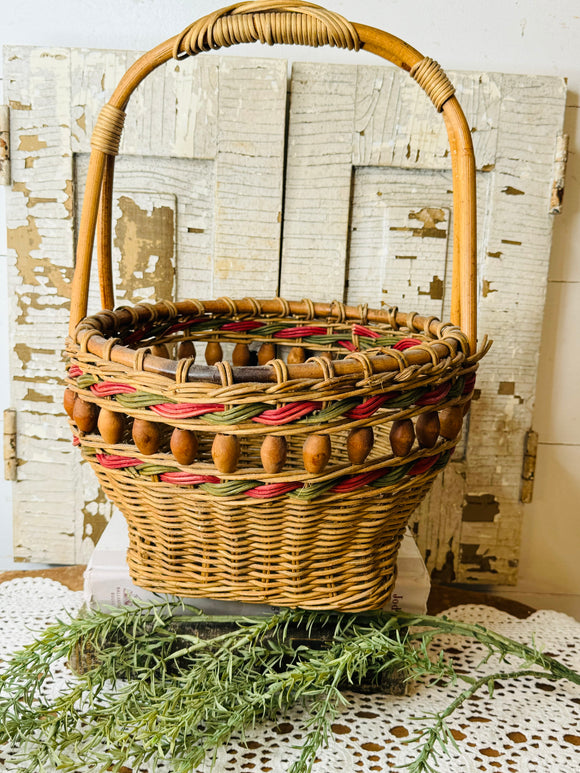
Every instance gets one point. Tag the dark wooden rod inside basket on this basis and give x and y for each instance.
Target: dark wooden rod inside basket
(381, 364)
(261, 374)
(98, 191)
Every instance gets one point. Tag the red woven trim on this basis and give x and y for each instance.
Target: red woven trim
(105, 389)
(244, 325)
(182, 325)
(287, 413)
(406, 343)
(348, 345)
(183, 478)
(423, 465)
(116, 462)
(435, 396)
(358, 481)
(185, 410)
(74, 371)
(370, 406)
(359, 330)
(300, 332)
(266, 490)
(469, 384)
(137, 335)
(76, 441)
(269, 490)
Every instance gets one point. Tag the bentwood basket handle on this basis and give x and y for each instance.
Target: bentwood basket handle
(277, 22)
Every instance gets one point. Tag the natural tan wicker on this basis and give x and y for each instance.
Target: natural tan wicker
(295, 478)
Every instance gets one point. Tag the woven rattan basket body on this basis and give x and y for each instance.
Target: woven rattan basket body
(288, 481)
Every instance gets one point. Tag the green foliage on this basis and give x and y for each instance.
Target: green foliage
(153, 693)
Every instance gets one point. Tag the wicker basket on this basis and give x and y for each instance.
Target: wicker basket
(289, 481)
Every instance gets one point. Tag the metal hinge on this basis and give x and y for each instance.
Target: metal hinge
(559, 174)
(529, 467)
(10, 460)
(5, 178)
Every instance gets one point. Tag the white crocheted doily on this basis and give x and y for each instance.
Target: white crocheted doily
(529, 725)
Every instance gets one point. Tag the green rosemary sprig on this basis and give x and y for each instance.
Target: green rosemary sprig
(153, 692)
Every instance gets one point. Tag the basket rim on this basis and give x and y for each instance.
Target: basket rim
(96, 334)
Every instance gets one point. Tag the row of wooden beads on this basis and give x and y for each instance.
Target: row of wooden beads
(241, 355)
(225, 450)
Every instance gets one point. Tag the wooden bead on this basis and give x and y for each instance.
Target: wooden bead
(296, 355)
(359, 444)
(427, 429)
(184, 445)
(111, 425)
(316, 453)
(273, 453)
(85, 415)
(225, 452)
(69, 401)
(241, 355)
(450, 422)
(146, 436)
(160, 350)
(402, 437)
(266, 353)
(213, 353)
(185, 350)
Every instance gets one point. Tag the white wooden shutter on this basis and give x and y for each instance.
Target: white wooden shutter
(198, 191)
(368, 217)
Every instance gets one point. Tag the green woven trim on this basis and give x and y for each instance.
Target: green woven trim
(141, 400)
(212, 323)
(313, 491)
(443, 459)
(231, 488)
(456, 389)
(236, 415)
(407, 398)
(331, 412)
(86, 380)
(372, 343)
(323, 340)
(154, 469)
(392, 477)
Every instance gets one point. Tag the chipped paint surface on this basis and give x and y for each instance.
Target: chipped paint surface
(26, 353)
(435, 291)
(16, 105)
(404, 262)
(429, 217)
(482, 508)
(34, 396)
(486, 287)
(30, 142)
(146, 242)
(95, 517)
(37, 271)
(40, 243)
(178, 149)
(368, 165)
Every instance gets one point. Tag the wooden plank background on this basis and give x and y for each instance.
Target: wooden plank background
(367, 218)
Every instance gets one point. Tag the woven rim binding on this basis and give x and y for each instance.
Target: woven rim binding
(446, 337)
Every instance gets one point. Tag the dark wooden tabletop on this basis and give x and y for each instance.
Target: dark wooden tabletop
(441, 597)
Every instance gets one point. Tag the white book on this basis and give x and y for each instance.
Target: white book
(107, 579)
